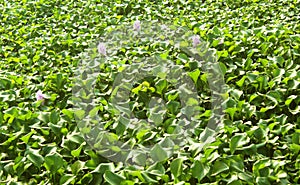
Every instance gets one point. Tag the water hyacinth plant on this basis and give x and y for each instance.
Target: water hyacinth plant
(40, 97)
(257, 47)
(102, 49)
(196, 40)
(142, 68)
(137, 25)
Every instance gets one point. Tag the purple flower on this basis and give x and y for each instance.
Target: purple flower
(102, 48)
(196, 40)
(39, 95)
(137, 25)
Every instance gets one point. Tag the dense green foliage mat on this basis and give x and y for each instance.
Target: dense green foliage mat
(257, 46)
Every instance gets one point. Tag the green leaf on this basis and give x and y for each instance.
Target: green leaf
(156, 169)
(76, 167)
(94, 112)
(87, 178)
(236, 93)
(261, 167)
(219, 167)
(1, 118)
(240, 83)
(53, 162)
(68, 113)
(54, 117)
(173, 107)
(262, 181)
(67, 179)
(194, 75)
(248, 63)
(55, 128)
(156, 117)
(148, 179)
(231, 112)
(79, 114)
(236, 163)
(160, 86)
(223, 68)
(236, 182)
(76, 153)
(245, 177)
(35, 58)
(103, 167)
(199, 171)
(35, 157)
(237, 141)
(140, 159)
(176, 167)
(26, 138)
(113, 178)
(44, 116)
(158, 153)
(183, 57)
(204, 77)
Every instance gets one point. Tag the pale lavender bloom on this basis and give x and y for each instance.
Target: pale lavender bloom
(196, 40)
(102, 48)
(137, 25)
(39, 95)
